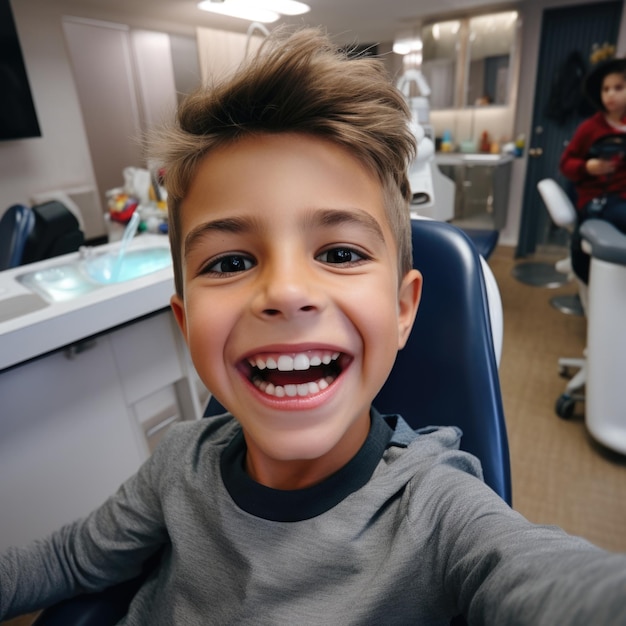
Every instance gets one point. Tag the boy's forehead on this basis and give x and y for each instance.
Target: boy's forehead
(267, 164)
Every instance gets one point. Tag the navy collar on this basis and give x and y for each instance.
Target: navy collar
(300, 504)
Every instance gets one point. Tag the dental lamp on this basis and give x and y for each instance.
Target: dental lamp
(432, 192)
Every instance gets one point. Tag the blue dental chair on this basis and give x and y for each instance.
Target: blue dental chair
(29, 234)
(447, 374)
(16, 224)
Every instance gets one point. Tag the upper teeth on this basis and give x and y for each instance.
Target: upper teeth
(289, 363)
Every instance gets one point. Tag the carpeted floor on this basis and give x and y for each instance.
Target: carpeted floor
(560, 476)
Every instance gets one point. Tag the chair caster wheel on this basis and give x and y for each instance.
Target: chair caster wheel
(565, 406)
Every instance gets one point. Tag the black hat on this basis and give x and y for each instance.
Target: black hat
(595, 78)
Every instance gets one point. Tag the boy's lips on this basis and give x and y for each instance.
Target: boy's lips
(298, 374)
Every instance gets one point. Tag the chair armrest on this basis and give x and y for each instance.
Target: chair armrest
(607, 243)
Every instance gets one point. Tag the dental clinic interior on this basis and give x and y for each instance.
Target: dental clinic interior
(94, 370)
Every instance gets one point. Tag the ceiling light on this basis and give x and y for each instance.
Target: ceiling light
(286, 7)
(264, 11)
(240, 10)
(405, 45)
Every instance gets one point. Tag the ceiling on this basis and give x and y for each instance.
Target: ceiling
(348, 21)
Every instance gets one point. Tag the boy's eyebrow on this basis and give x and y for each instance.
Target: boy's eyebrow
(321, 217)
(333, 217)
(227, 225)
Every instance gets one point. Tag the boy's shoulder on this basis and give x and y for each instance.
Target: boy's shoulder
(445, 437)
(217, 431)
(405, 451)
(417, 452)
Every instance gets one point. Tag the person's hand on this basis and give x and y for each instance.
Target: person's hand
(600, 167)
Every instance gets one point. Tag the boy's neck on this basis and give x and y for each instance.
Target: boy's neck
(303, 473)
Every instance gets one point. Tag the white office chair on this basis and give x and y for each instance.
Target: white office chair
(605, 409)
(563, 214)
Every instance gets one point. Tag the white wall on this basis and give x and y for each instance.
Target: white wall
(60, 158)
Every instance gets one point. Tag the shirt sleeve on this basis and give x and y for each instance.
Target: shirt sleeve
(501, 569)
(107, 547)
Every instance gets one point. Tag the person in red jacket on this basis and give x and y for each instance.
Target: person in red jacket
(595, 158)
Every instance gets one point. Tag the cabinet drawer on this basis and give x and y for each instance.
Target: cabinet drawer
(155, 414)
(147, 354)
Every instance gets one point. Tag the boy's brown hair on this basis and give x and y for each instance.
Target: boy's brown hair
(298, 82)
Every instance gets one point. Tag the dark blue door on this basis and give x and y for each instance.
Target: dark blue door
(565, 32)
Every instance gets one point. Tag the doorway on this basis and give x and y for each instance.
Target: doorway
(565, 32)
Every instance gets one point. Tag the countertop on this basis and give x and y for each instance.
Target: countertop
(471, 158)
(57, 324)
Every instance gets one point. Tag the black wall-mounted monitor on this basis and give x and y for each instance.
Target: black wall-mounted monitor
(18, 118)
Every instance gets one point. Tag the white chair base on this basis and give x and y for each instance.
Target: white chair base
(605, 413)
(605, 410)
(574, 390)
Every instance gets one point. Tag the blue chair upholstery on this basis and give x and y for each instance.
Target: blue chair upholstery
(447, 374)
(485, 240)
(16, 225)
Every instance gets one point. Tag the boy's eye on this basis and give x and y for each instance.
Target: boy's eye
(340, 256)
(230, 264)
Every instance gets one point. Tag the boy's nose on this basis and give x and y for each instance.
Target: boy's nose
(287, 290)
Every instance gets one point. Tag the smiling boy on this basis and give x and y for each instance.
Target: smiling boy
(290, 235)
(290, 280)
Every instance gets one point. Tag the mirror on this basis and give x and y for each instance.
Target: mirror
(439, 61)
(490, 51)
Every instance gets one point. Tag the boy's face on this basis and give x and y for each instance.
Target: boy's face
(614, 93)
(293, 309)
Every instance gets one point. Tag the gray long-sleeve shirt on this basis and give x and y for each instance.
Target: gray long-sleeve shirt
(406, 533)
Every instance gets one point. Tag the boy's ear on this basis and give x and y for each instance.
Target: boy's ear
(178, 308)
(408, 302)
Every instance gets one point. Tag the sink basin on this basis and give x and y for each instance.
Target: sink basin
(16, 306)
(105, 269)
(82, 276)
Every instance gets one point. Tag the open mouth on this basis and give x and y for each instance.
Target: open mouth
(295, 375)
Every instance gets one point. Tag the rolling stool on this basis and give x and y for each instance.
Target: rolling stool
(563, 214)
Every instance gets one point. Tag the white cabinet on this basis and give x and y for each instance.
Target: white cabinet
(75, 423)
(482, 187)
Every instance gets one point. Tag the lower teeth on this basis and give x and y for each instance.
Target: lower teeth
(291, 391)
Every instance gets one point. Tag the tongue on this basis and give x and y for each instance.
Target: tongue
(291, 378)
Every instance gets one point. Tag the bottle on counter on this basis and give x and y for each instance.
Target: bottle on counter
(485, 144)
(446, 141)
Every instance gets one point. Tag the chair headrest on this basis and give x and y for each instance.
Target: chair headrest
(56, 231)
